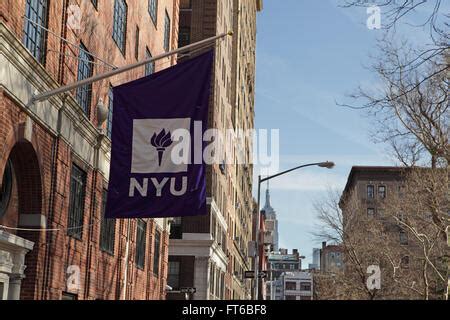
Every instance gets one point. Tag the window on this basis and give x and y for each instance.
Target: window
(290, 285)
(370, 191)
(157, 252)
(382, 192)
(167, 32)
(120, 24)
(405, 262)
(136, 44)
(185, 4)
(403, 237)
(184, 36)
(175, 228)
(107, 229)
(34, 38)
(69, 296)
(380, 212)
(149, 67)
(211, 279)
(290, 298)
(153, 10)
(76, 202)
(305, 286)
(173, 276)
(141, 235)
(5, 190)
(370, 212)
(85, 70)
(110, 112)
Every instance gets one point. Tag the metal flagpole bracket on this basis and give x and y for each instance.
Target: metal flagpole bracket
(109, 74)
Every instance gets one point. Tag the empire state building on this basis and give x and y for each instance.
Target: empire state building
(271, 221)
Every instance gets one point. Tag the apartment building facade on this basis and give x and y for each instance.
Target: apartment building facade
(331, 258)
(293, 286)
(381, 194)
(54, 154)
(210, 253)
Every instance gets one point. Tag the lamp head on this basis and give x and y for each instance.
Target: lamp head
(327, 164)
(102, 113)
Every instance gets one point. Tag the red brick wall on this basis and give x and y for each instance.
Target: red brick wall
(44, 188)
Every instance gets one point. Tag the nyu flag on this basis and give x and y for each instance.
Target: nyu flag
(145, 181)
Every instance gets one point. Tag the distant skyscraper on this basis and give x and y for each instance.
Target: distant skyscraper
(271, 220)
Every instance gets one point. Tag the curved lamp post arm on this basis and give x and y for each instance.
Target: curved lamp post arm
(327, 164)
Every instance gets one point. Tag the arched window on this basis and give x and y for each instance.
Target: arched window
(5, 190)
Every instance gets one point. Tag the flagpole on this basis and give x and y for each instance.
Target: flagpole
(99, 77)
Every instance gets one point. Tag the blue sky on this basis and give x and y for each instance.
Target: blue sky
(310, 54)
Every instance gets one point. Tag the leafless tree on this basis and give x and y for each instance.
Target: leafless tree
(394, 12)
(410, 106)
(410, 270)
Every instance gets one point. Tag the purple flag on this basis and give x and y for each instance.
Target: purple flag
(149, 115)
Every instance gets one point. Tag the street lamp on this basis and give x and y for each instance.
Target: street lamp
(327, 164)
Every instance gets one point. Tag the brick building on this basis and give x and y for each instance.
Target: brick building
(54, 155)
(375, 189)
(331, 258)
(210, 252)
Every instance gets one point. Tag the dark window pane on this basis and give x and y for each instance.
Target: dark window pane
(136, 47)
(149, 67)
(403, 238)
(108, 229)
(5, 189)
(36, 13)
(141, 237)
(173, 277)
(184, 36)
(120, 24)
(153, 10)
(305, 286)
(167, 32)
(382, 191)
(370, 191)
(85, 70)
(76, 202)
(290, 285)
(175, 229)
(156, 253)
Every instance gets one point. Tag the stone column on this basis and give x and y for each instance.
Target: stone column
(15, 281)
(200, 278)
(6, 266)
